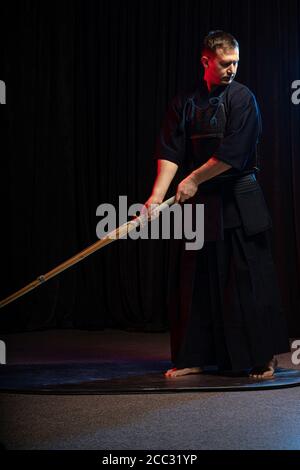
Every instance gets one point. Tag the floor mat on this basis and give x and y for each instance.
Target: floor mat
(129, 377)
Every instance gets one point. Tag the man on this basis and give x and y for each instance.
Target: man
(224, 306)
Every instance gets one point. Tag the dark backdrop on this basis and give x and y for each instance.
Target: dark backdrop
(88, 83)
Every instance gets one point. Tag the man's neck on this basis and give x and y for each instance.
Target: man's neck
(213, 87)
(210, 86)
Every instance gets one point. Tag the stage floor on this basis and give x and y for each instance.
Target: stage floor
(214, 420)
(114, 362)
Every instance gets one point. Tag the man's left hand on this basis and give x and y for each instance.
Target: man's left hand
(186, 189)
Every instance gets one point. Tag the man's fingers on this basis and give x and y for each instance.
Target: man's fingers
(154, 211)
(178, 197)
(150, 211)
(144, 212)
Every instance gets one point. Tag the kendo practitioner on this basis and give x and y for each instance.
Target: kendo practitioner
(223, 299)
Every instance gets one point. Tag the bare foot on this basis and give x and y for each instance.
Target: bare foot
(265, 371)
(180, 372)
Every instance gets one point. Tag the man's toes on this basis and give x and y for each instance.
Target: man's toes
(169, 372)
(184, 371)
(262, 372)
(175, 372)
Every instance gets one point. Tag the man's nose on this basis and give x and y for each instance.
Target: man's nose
(231, 70)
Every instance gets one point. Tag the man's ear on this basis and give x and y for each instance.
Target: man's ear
(204, 61)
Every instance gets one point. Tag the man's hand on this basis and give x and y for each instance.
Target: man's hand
(186, 189)
(150, 209)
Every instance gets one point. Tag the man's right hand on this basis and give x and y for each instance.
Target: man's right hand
(150, 208)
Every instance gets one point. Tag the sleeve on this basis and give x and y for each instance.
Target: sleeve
(242, 131)
(170, 143)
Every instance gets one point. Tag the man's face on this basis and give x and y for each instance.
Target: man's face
(221, 68)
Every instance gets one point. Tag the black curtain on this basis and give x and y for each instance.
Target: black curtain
(87, 85)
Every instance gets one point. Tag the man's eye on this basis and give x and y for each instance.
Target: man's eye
(227, 64)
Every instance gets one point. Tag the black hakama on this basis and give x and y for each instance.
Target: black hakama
(224, 305)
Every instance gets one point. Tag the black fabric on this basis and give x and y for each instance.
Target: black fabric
(251, 204)
(224, 123)
(232, 202)
(224, 318)
(87, 86)
(243, 128)
(194, 128)
(229, 312)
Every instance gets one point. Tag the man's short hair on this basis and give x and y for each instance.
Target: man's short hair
(218, 40)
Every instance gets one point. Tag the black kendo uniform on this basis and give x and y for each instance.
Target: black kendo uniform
(223, 300)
